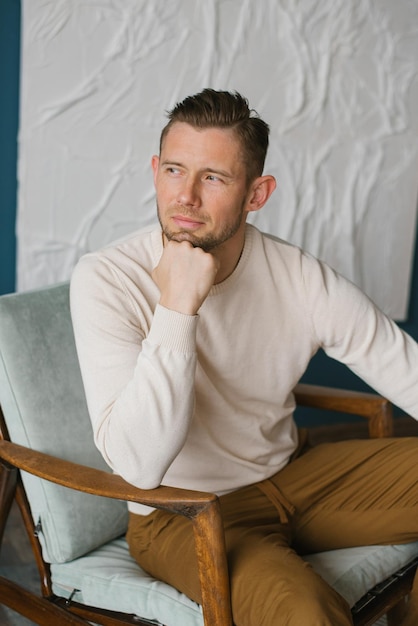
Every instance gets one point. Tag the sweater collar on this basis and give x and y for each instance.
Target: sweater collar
(251, 234)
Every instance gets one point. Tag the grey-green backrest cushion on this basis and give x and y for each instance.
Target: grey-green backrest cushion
(42, 397)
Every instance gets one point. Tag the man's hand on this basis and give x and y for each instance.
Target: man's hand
(184, 276)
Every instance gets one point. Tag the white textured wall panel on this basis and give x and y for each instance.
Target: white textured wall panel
(335, 79)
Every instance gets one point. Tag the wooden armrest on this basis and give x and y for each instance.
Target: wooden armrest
(200, 507)
(100, 483)
(375, 408)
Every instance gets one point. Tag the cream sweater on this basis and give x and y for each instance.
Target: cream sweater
(205, 402)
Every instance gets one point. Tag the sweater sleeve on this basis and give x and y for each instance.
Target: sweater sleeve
(352, 329)
(138, 369)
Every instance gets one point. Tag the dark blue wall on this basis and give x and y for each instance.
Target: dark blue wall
(322, 369)
(9, 115)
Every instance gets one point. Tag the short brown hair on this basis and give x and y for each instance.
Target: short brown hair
(224, 109)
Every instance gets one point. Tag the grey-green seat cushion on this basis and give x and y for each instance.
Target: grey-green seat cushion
(110, 578)
(43, 401)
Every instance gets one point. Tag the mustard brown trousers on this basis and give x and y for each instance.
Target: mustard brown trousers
(335, 495)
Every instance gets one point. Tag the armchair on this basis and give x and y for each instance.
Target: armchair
(74, 508)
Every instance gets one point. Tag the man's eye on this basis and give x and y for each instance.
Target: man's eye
(213, 178)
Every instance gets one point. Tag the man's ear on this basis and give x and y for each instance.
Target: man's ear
(260, 191)
(154, 164)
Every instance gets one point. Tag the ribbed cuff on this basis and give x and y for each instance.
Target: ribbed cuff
(173, 331)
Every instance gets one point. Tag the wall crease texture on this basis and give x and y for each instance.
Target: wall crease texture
(335, 79)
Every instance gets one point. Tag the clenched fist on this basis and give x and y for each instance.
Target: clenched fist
(184, 276)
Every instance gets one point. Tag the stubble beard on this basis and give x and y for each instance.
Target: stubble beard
(207, 242)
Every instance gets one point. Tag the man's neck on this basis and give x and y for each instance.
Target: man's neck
(228, 255)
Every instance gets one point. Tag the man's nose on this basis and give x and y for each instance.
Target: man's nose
(189, 193)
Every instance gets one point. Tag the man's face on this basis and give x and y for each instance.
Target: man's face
(201, 185)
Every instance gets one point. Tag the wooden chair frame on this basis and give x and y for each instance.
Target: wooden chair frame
(201, 508)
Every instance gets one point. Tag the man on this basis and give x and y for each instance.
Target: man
(191, 338)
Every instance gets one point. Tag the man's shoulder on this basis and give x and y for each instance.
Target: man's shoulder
(129, 256)
(278, 242)
(284, 254)
(273, 244)
(135, 246)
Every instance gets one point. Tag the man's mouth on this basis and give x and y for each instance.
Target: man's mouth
(186, 223)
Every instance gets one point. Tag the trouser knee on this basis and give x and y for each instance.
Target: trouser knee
(289, 601)
(327, 610)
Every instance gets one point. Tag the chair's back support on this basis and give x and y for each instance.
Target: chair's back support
(42, 398)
